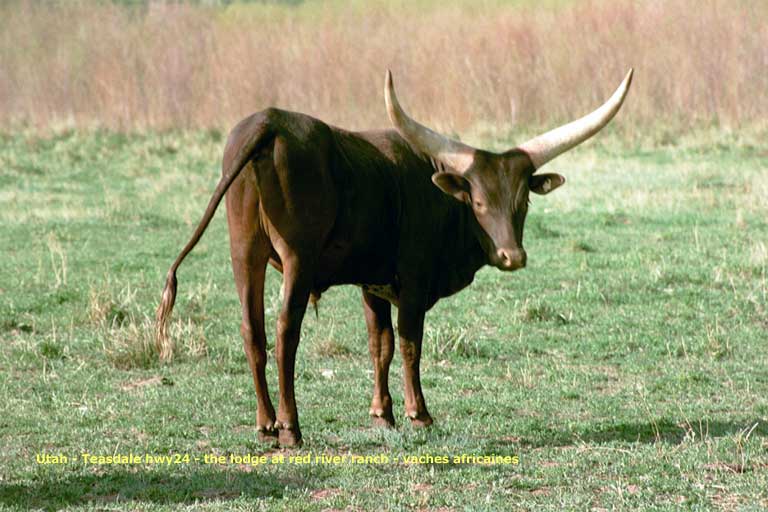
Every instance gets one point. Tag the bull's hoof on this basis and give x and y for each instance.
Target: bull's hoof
(419, 420)
(385, 419)
(268, 436)
(289, 435)
(289, 438)
(267, 433)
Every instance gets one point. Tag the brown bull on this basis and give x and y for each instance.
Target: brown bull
(407, 214)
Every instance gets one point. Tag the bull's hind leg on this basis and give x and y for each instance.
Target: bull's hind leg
(299, 203)
(381, 345)
(250, 252)
(297, 287)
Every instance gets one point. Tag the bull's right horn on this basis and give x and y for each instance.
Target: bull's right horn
(547, 146)
(452, 153)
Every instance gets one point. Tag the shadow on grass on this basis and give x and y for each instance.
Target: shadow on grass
(59, 490)
(664, 430)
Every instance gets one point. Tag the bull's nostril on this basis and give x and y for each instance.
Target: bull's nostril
(511, 259)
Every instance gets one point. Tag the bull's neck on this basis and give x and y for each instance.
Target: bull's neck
(464, 253)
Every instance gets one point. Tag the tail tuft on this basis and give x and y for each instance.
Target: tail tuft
(164, 311)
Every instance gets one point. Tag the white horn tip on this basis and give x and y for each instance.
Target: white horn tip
(390, 100)
(624, 87)
(388, 85)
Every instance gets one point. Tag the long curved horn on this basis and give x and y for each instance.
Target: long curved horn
(453, 153)
(547, 146)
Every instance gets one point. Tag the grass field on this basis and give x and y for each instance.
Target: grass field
(626, 367)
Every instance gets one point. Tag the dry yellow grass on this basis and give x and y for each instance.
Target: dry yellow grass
(458, 67)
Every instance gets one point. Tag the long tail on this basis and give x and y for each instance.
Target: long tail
(245, 140)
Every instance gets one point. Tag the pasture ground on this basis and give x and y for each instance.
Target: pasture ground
(626, 367)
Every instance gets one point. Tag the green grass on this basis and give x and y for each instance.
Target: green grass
(626, 366)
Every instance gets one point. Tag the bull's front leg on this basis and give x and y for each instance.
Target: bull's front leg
(410, 322)
(381, 345)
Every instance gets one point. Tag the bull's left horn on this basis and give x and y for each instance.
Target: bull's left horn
(453, 153)
(547, 146)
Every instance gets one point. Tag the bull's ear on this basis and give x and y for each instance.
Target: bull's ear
(545, 183)
(452, 184)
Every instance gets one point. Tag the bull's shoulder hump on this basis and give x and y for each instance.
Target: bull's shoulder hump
(382, 137)
(391, 144)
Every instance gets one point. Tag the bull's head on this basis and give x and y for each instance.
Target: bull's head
(496, 185)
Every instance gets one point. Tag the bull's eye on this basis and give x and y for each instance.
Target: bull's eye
(478, 205)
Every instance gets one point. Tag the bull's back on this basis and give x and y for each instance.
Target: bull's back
(326, 193)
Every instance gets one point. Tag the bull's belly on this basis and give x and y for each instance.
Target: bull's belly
(388, 292)
(383, 291)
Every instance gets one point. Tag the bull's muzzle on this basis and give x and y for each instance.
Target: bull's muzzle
(510, 259)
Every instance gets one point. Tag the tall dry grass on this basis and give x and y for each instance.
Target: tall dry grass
(456, 66)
